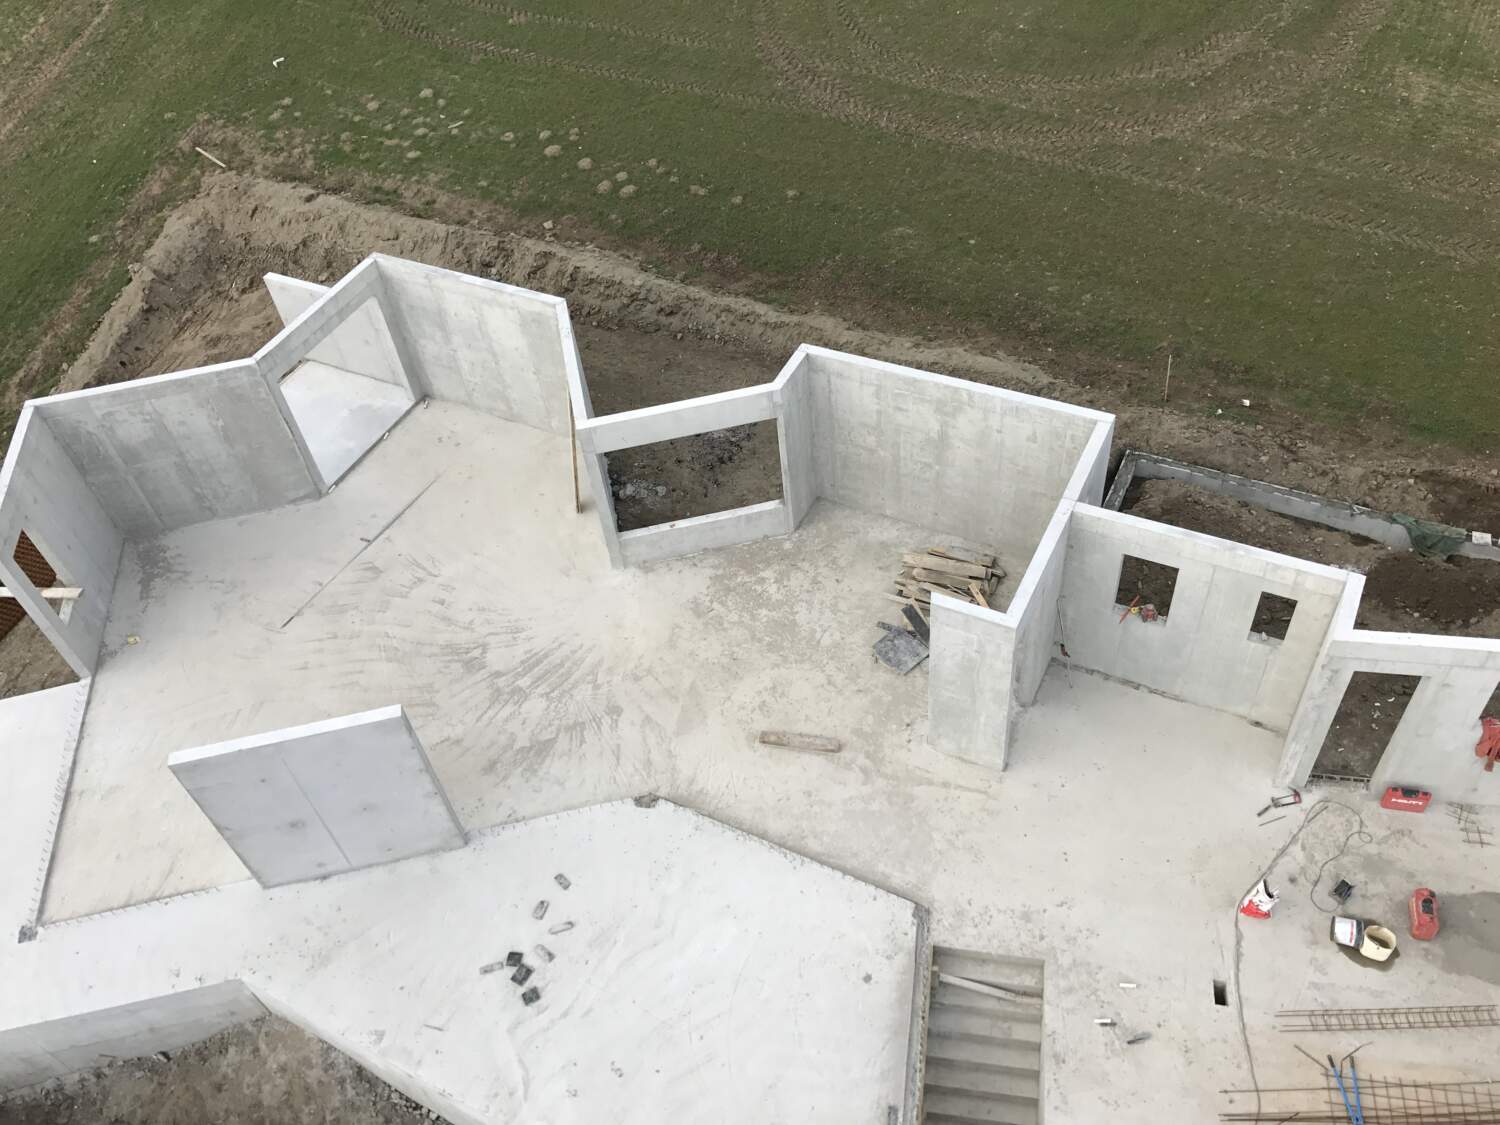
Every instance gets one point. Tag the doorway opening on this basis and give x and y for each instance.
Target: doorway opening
(1367, 717)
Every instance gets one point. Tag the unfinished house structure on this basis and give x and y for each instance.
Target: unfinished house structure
(366, 695)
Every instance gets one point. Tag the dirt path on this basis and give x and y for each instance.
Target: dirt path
(264, 1073)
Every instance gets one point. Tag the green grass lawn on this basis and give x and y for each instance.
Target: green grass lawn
(1300, 193)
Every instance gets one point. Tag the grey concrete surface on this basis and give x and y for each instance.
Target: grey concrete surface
(1433, 745)
(322, 798)
(495, 347)
(981, 463)
(362, 344)
(174, 450)
(341, 414)
(1203, 651)
(43, 494)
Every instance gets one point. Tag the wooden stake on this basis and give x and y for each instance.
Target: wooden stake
(1166, 391)
(573, 446)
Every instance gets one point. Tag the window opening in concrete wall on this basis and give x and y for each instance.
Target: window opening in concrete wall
(1362, 728)
(46, 577)
(1221, 994)
(1144, 583)
(32, 563)
(28, 660)
(1273, 614)
(695, 475)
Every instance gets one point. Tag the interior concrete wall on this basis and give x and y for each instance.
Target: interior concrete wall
(495, 347)
(361, 344)
(1433, 745)
(42, 1051)
(315, 800)
(970, 686)
(795, 426)
(600, 436)
(1034, 608)
(173, 450)
(979, 462)
(43, 494)
(1202, 652)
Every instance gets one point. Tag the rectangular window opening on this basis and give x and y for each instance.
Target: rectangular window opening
(1363, 726)
(41, 573)
(28, 660)
(1273, 616)
(1146, 587)
(698, 475)
(1221, 994)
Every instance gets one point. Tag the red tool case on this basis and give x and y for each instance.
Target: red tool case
(1405, 799)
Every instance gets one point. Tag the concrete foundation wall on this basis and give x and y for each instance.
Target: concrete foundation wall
(361, 344)
(970, 687)
(43, 494)
(497, 348)
(316, 800)
(1433, 745)
(1034, 608)
(985, 464)
(796, 427)
(29, 1055)
(174, 450)
(1203, 651)
(703, 533)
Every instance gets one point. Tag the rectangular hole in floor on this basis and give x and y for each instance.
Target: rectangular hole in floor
(1273, 615)
(1146, 583)
(695, 476)
(1362, 728)
(1221, 994)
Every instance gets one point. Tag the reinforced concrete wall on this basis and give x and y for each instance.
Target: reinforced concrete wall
(33, 1054)
(498, 348)
(43, 494)
(1433, 745)
(986, 464)
(1203, 651)
(362, 343)
(319, 799)
(178, 449)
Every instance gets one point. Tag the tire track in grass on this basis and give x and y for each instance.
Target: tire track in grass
(19, 102)
(521, 16)
(393, 19)
(814, 83)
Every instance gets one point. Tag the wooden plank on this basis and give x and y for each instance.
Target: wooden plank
(962, 554)
(946, 565)
(792, 740)
(979, 598)
(953, 582)
(55, 593)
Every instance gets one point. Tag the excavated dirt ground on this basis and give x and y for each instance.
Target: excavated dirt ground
(263, 1073)
(196, 297)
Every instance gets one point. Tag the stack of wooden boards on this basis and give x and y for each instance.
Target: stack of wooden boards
(956, 571)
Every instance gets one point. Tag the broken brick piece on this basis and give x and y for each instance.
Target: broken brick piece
(513, 958)
(522, 974)
(531, 996)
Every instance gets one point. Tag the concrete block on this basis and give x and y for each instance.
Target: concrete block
(315, 800)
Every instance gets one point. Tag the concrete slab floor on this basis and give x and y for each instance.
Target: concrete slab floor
(34, 746)
(341, 414)
(1115, 847)
(707, 976)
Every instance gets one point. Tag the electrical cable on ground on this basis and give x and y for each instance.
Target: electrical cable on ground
(1313, 814)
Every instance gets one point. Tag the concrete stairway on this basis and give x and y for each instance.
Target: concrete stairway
(983, 1057)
